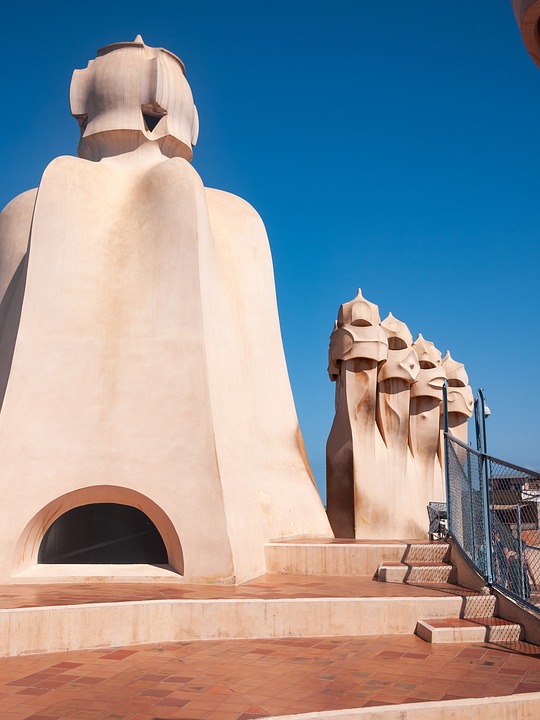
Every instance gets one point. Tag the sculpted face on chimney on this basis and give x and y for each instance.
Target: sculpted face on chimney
(133, 94)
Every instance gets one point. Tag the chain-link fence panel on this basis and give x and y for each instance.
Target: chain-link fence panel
(514, 498)
(493, 514)
(467, 515)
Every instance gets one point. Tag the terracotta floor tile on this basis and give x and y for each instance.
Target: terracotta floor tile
(178, 679)
(172, 702)
(266, 586)
(14, 716)
(118, 654)
(256, 709)
(203, 708)
(235, 678)
(153, 678)
(527, 687)
(417, 656)
(518, 671)
(156, 692)
(390, 699)
(33, 691)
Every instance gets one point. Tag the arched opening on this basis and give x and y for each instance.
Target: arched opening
(29, 553)
(103, 533)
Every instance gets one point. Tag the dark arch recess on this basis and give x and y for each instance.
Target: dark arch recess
(103, 533)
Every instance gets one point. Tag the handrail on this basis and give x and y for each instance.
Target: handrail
(527, 471)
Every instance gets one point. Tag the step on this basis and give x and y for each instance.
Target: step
(347, 557)
(107, 624)
(433, 552)
(469, 630)
(522, 706)
(419, 572)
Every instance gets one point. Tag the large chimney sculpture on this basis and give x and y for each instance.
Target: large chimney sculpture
(384, 451)
(141, 362)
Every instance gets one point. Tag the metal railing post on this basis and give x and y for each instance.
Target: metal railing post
(480, 426)
(446, 456)
(486, 508)
(472, 509)
(520, 551)
(480, 421)
(477, 426)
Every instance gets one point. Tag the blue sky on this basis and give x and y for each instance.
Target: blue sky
(391, 146)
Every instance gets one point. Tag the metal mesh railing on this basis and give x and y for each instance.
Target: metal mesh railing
(493, 514)
(467, 516)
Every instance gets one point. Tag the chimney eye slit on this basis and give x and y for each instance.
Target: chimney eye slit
(152, 114)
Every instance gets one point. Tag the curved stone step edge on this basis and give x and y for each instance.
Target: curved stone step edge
(78, 627)
(522, 705)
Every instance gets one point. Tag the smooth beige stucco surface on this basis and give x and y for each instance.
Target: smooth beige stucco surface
(142, 344)
(525, 706)
(384, 451)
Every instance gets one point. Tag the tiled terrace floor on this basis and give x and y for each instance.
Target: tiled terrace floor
(264, 587)
(245, 679)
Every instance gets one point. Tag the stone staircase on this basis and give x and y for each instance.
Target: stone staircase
(313, 588)
(428, 565)
(456, 615)
(421, 564)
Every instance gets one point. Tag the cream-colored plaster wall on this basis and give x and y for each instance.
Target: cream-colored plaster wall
(15, 221)
(266, 481)
(148, 356)
(108, 383)
(141, 359)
